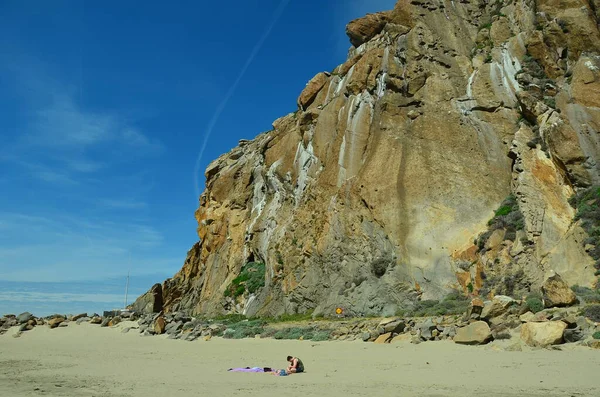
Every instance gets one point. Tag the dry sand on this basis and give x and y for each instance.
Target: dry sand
(85, 360)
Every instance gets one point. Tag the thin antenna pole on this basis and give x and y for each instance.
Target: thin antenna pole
(126, 290)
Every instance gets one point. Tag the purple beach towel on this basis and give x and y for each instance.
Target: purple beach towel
(247, 369)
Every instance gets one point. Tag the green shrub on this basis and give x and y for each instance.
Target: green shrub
(453, 303)
(244, 328)
(596, 335)
(251, 279)
(230, 319)
(587, 204)
(320, 336)
(509, 217)
(587, 294)
(286, 318)
(504, 210)
(592, 312)
(294, 333)
(550, 102)
(534, 303)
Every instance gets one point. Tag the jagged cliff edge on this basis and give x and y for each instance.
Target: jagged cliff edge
(377, 191)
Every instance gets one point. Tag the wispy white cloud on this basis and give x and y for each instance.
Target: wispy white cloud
(123, 204)
(231, 91)
(67, 247)
(61, 139)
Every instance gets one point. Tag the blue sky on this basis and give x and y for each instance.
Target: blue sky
(106, 110)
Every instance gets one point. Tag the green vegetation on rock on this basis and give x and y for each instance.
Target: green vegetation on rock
(245, 329)
(534, 303)
(509, 217)
(588, 295)
(453, 303)
(249, 328)
(251, 279)
(587, 204)
(592, 312)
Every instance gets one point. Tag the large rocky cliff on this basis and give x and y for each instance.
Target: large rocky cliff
(440, 156)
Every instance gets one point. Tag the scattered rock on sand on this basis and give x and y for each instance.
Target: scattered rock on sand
(96, 320)
(527, 317)
(497, 306)
(392, 325)
(426, 329)
(401, 338)
(55, 322)
(24, 317)
(25, 327)
(77, 317)
(557, 293)
(543, 334)
(159, 325)
(572, 335)
(385, 338)
(475, 309)
(477, 333)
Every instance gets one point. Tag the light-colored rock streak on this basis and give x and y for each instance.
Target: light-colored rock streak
(381, 84)
(342, 85)
(249, 302)
(470, 84)
(303, 161)
(486, 136)
(503, 76)
(259, 199)
(342, 170)
(333, 86)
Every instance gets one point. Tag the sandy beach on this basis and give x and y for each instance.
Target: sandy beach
(85, 360)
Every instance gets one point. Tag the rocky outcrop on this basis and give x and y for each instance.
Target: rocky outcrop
(544, 333)
(56, 321)
(150, 302)
(476, 333)
(557, 293)
(364, 29)
(439, 157)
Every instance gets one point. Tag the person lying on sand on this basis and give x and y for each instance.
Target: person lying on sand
(279, 372)
(296, 366)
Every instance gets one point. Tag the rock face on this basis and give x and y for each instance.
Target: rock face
(557, 293)
(364, 29)
(56, 321)
(498, 306)
(150, 302)
(476, 333)
(371, 194)
(543, 334)
(159, 325)
(24, 317)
